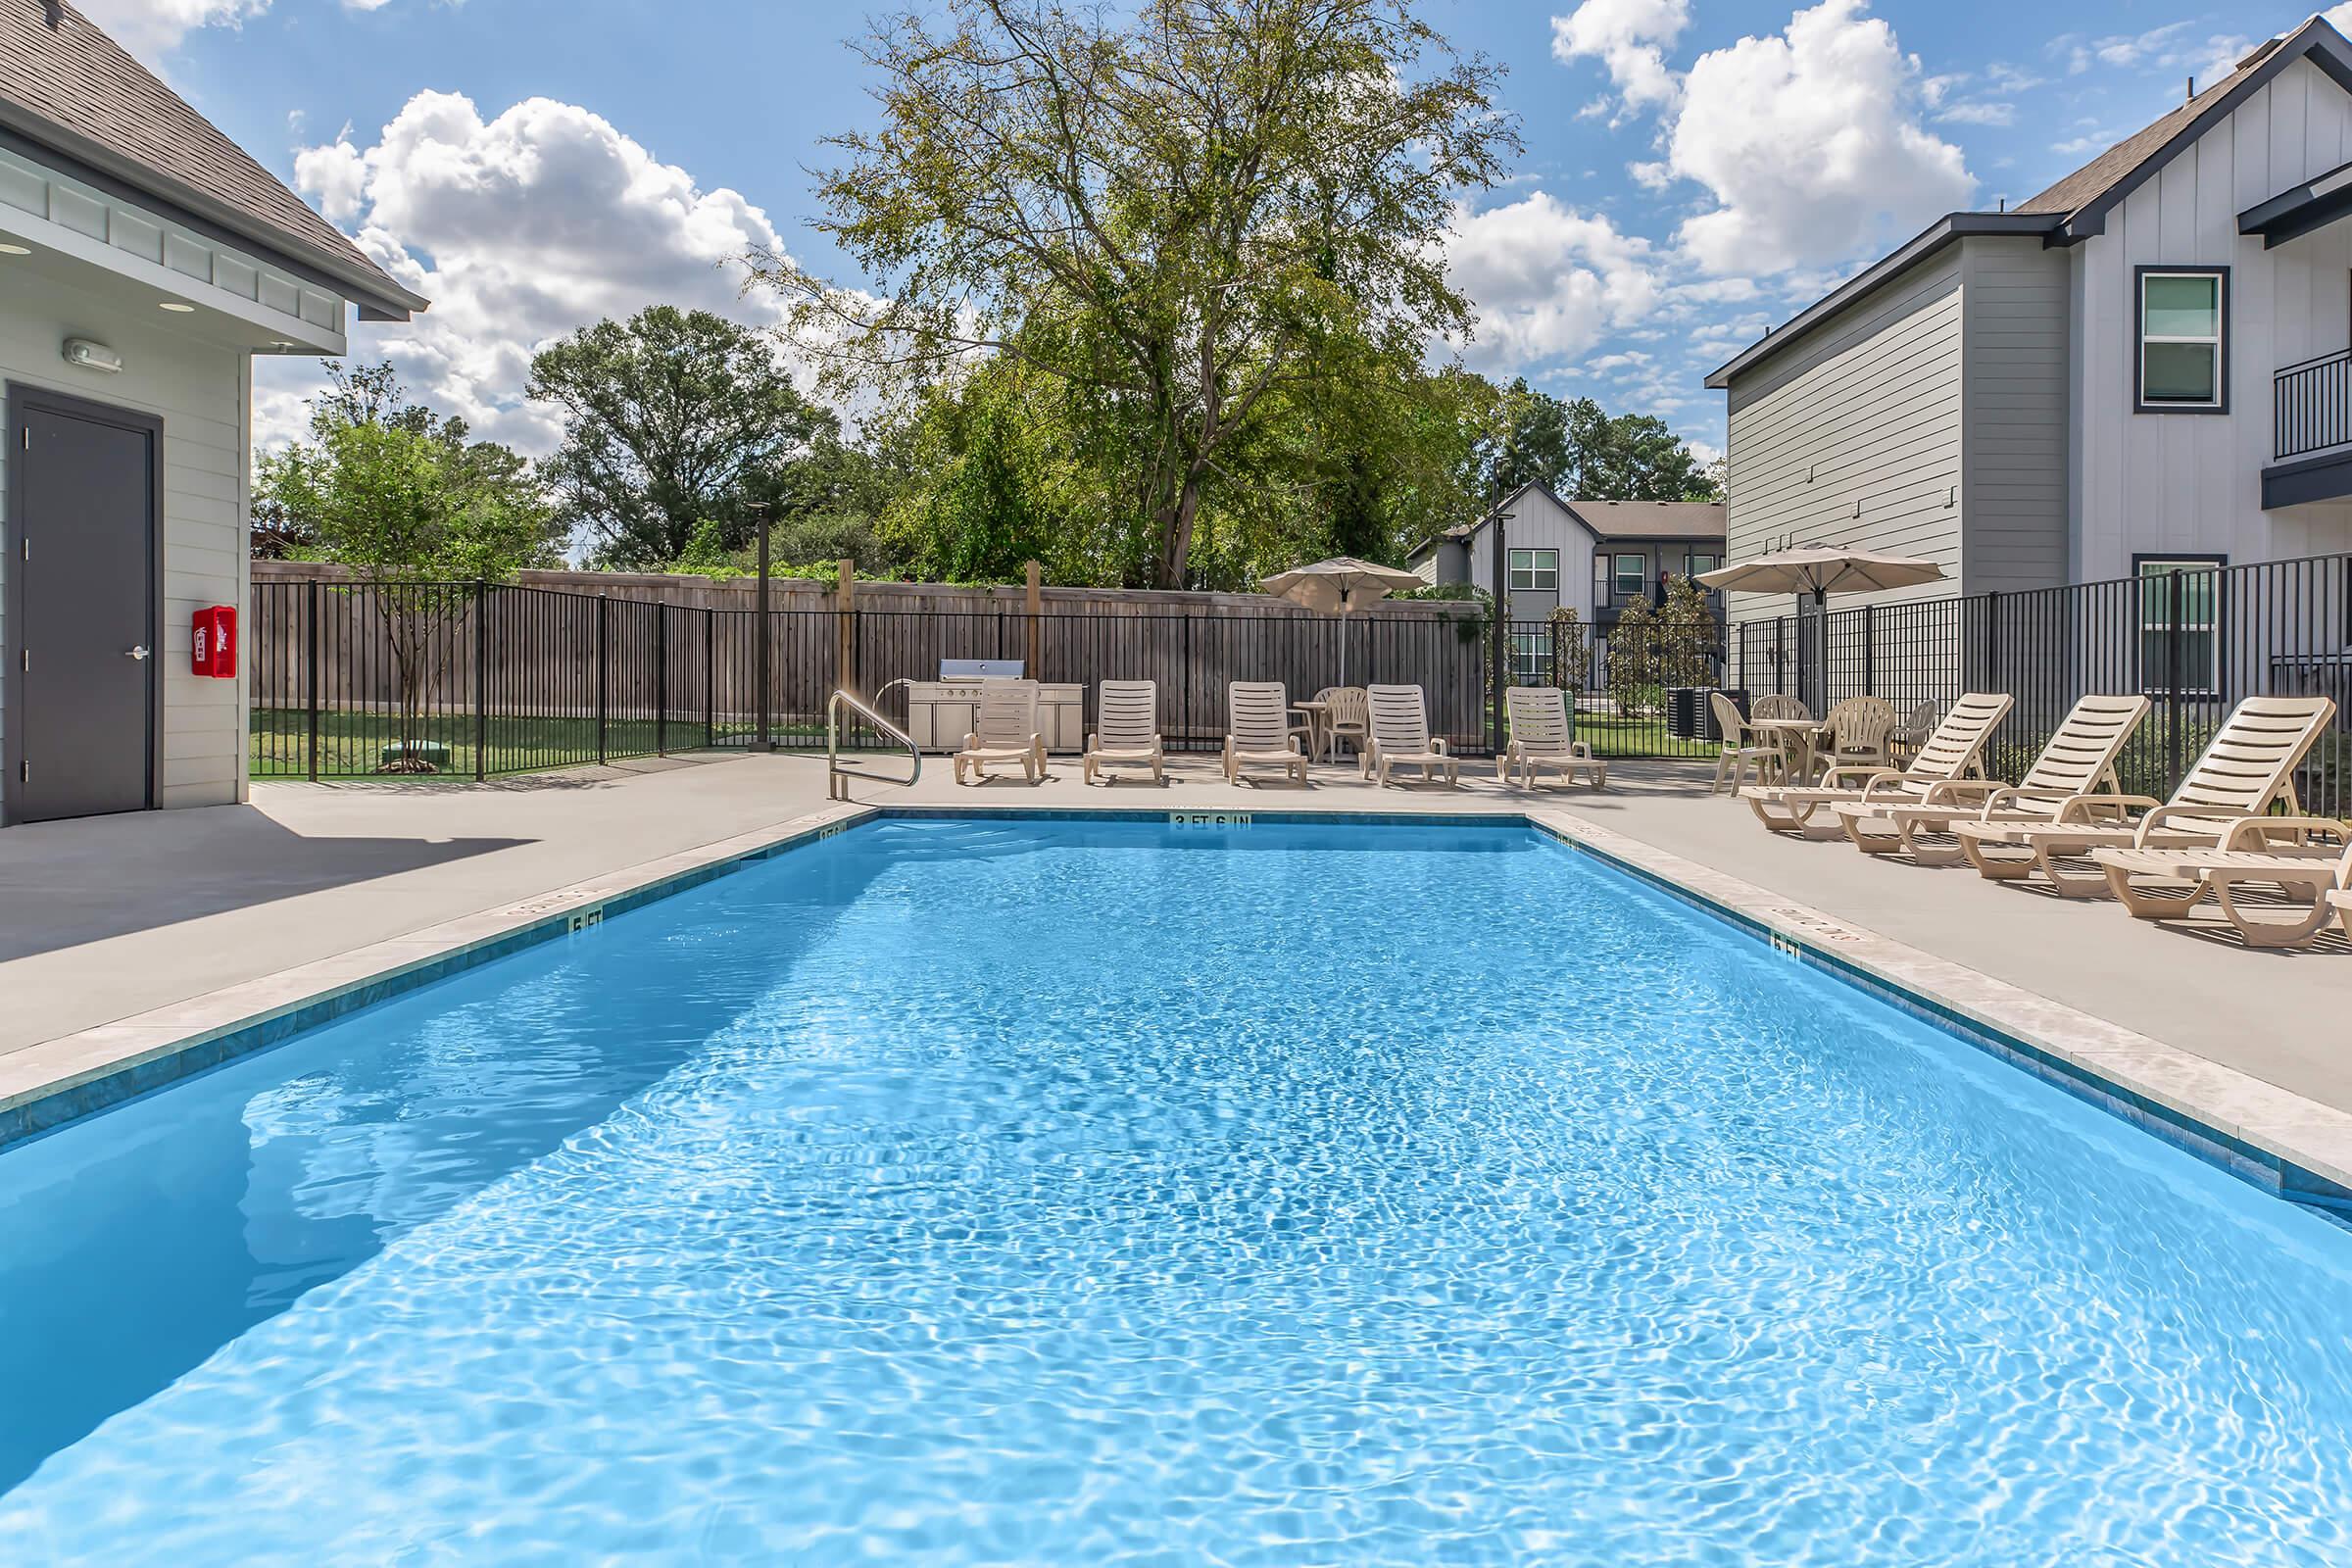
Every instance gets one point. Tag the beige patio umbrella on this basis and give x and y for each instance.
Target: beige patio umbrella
(1820, 570)
(1341, 585)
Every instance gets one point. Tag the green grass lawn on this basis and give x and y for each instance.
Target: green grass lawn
(352, 742)
(1615, 736)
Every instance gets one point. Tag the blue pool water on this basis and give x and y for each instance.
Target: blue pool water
(1059, 1193)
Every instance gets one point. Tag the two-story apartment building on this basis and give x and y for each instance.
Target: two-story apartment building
(1595, 556)
(2144, 366)
(144, 260)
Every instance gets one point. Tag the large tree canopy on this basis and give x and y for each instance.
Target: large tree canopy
(399, 493)
(1576, 448)
(673, 418)
(1183, 213)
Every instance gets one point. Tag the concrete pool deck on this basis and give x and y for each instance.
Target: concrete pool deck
(121, 937)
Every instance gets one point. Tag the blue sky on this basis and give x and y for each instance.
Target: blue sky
(1694, 169)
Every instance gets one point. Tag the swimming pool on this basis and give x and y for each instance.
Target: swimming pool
(1072, 1192)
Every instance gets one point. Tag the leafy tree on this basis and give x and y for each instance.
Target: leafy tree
(1632, 457)
(1571, 653)
(1634, 675)
(672, 418)
(403, 498)
(1689, 640)
(1532, 444)
(1174, 210)
(1578, 449)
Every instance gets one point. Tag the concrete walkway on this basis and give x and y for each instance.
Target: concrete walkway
(103, 919)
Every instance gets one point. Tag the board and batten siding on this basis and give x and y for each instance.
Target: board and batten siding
(1864, 413)
(1539, 522)
(200, 391)
(2191, 483)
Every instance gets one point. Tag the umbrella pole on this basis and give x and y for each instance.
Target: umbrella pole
(1821, 652)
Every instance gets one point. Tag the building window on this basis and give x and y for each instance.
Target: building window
(2184, 344)
(1535, 571)
(1531, 658)
(1633, 575)
(1695, 563)
(2179, 609)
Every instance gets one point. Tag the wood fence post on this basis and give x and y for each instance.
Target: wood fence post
(1037, 606)
(845, 627)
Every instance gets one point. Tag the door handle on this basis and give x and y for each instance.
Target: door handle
(139, 652)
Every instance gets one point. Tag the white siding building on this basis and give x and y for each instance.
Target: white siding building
(143, 260)
(2144, 365)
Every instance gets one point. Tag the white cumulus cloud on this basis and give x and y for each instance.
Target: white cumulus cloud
(1548, 281)
(1811, 143)
(1631, 38)
(518, 228)
(153, 28)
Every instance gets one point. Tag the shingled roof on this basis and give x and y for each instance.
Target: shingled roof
(68, 90)
(2094, 179)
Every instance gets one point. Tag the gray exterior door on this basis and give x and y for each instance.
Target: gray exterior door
(81, 718)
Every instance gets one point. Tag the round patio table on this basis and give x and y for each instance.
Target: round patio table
(1800, 736)
(1318, 727)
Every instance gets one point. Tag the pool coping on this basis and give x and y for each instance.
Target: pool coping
(2267, 1135)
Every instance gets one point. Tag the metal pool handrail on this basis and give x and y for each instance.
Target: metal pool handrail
(837, 777)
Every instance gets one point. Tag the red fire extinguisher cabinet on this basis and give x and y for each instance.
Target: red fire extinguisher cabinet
(215, 646)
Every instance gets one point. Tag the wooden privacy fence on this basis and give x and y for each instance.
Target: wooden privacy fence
(358, 677)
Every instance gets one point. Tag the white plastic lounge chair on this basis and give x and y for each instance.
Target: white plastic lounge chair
(1401, 738)
(1258, 730)
(1003, 730)
(1738, 752)
(2076, 764)
(1539, 726)
(1127, 729)
(1956, 751)
(2250, 856)
(2341, 901)
(2249, 765)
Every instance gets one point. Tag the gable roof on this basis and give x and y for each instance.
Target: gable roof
(1602, 519)
(2076, 208)
(68, 91)
(2083, 197)
(1651, 520)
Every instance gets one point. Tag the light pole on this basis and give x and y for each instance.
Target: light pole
(1503, 625)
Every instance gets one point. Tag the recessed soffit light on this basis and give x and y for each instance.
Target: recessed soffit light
(11, 248)
(176, 308)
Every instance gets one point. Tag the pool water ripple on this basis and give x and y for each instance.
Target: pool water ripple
(1059, 1193)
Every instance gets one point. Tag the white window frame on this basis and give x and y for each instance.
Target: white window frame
(2151, 571)
(1539, 565)
(1617, 575)
(1531, 657)
(2219, 342)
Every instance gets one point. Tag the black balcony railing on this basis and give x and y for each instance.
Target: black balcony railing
(2311, 406)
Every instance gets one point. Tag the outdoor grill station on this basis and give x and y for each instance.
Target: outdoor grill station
(940, 713)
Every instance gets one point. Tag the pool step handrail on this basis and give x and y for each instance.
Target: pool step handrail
(837, 777)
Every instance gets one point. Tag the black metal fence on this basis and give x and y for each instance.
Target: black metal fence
(477, 680)
(1622, 681)
(2195, 639)
(2311, 406)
